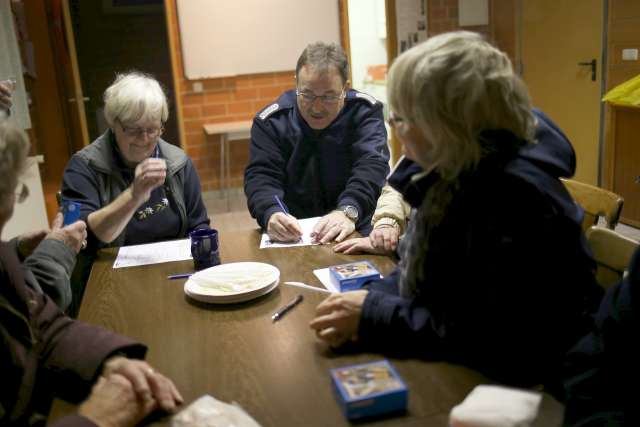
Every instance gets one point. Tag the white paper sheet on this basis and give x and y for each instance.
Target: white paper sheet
(306, 224)
(325, 278)
(153, 253)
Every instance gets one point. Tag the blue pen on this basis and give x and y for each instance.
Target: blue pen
(179, 276)
(282, 206)
(165, 199)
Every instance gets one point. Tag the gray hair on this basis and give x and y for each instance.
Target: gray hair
(323, 55)
(454, 86)
(135, 96)
(14, 148)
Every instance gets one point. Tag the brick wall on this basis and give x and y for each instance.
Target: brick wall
(443, 17)
(223, 99)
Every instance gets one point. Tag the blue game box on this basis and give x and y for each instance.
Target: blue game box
(349, 277)
(369, 389)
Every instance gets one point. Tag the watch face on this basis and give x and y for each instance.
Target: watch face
(351, 212)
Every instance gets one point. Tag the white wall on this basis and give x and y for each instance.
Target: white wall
(367, 38)
(30, 215)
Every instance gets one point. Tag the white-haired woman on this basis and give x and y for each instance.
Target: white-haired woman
(43, 352)
(133, 186)
(494, 273)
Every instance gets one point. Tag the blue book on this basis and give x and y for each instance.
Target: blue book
(369, 389)
(349, 277)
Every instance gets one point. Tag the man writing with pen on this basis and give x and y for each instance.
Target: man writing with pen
(321, 149)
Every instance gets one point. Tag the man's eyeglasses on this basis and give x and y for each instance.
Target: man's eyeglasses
(395, 121)
(22, 192)
(310, 98)
(141, 132)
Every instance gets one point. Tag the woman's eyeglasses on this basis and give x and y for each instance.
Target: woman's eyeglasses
(394, 121)
(134, 132)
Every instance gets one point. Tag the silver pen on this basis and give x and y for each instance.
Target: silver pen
(278, 314)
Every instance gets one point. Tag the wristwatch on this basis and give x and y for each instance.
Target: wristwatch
(350, 212)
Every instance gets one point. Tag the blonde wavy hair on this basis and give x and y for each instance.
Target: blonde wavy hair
(454, 86)
(134, 96)
(14, 148)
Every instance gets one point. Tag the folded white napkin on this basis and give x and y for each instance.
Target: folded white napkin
(207, 411)
(495, 406)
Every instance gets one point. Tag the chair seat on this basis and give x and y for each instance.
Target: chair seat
(612, 252)
(596, 202)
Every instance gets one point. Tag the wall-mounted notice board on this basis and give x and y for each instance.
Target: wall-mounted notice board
(227, 38)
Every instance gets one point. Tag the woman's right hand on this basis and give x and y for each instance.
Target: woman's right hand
(113, 402)
(385, 238)
(359, 245)
(149, 175)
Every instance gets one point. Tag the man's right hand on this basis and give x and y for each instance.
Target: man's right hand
(283, 228)
(73, 235)
(113, 402)
(149, 175)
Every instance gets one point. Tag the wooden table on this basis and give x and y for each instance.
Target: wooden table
(278, 372)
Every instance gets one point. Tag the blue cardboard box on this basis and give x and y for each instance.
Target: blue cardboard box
(349, 277)
(369, 389)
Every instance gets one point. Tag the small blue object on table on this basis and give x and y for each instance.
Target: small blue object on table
(369, 389)
(350, 277)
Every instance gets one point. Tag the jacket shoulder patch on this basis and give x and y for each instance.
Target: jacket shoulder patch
(366, 97)
(268, 111)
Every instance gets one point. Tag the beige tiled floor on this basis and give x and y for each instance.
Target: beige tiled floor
(229, 214)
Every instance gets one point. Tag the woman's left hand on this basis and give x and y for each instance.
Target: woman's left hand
(338, 317)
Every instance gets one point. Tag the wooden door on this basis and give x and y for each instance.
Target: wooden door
(67, 67)
(557, 36)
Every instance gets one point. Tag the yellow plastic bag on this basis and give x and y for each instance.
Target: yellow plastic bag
(626, 94)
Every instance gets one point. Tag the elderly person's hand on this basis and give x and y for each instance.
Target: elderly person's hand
(73, 235)
(333, 226)
(385, 238)
(358, 245)
(338, 317)
(283, 228)
(149, 175)
(147, 383)
(5, 95)
(113, 403)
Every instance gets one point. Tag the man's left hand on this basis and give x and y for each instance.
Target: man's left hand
(333, 226)
(147, 383)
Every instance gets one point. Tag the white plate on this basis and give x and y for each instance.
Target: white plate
(232, 283)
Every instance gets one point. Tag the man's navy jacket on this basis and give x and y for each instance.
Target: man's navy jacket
(316, 171)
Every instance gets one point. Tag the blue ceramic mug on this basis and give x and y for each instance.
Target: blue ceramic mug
(204, 248)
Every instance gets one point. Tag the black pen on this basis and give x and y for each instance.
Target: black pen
(297, 300)
(179, 276)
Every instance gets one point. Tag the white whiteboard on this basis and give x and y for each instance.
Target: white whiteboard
(226, 38)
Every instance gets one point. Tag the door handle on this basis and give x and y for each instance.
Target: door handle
(85, 99)
(593, 66)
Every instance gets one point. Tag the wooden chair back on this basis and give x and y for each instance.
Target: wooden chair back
(596, 202)
(612, 252)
